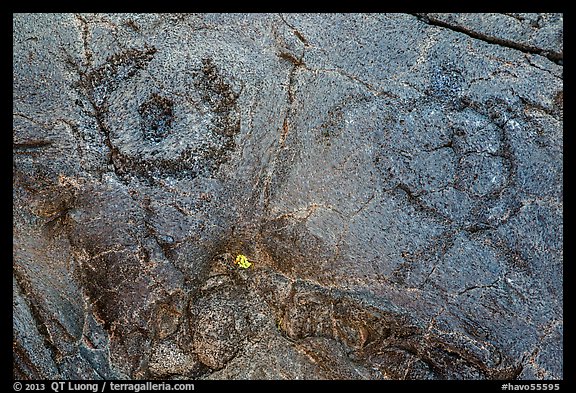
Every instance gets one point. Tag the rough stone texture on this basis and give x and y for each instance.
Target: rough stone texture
(538, 33)
(395, 179)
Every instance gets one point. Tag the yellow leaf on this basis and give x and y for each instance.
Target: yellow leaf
(243, 262)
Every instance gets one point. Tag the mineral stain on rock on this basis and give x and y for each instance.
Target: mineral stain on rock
(398, 193)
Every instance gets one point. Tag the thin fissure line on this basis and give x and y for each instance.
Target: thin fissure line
(554, 57)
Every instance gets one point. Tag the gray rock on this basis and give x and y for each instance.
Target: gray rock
(396, 181)
(530, 32)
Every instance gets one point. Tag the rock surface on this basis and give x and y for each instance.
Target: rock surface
(396, 181)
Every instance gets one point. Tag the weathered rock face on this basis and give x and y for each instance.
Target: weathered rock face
(395, 179)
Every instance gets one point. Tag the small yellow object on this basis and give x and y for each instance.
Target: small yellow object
(243, 262)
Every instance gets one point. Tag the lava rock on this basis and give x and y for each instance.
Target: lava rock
(394, 179)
